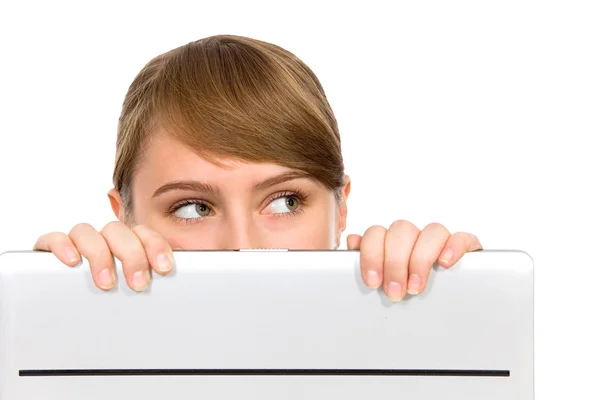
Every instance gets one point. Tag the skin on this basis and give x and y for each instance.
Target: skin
(189, 203)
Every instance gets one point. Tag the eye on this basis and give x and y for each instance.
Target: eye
(283, 205)
(193, 211)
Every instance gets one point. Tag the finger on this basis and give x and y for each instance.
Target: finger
(61, 245)
(429, 245)
(372, 256)
(126, 246)
(353, 242)
(457, 245)
(92, 246)
(158, 252)
(399, 242)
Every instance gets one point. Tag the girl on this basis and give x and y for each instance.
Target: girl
(229, 143)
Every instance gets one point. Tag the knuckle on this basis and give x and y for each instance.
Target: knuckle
(402, 224)
(375, 230)
(435, 226)
(465, 239)
(146, 234)
(110, 227)
(82, 225)
(79, 228)
(50, 238)
(59, 240)
(142, 229)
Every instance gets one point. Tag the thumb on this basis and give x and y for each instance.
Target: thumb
(353, 242)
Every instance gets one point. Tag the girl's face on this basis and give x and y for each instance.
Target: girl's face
(194, 204)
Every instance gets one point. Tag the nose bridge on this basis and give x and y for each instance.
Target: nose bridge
(241, 232)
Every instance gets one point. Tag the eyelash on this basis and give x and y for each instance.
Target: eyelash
(298, 194)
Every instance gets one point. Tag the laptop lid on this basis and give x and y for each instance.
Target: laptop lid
(266, 325)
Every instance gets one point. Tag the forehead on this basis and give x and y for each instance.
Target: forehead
(166, 159)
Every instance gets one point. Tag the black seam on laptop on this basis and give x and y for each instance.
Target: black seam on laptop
(297, 372)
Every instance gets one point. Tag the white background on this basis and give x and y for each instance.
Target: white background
(481, 115)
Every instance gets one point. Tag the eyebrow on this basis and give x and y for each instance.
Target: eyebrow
(191, 186)
(196, 186)
(287, 176)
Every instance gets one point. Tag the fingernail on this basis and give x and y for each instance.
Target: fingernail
(163, 263)
(394, 291)
(141, 280)
(414, 284)
(106, 278)
(372, 279)
(446, 256)
(72, 255)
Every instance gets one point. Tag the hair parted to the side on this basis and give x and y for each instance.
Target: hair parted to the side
(231, 97)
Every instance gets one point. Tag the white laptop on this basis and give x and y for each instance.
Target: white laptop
(266, 325)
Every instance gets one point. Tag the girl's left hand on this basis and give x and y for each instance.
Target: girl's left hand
(402, 257)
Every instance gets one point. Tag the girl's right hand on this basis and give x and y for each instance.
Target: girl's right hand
(139, 249)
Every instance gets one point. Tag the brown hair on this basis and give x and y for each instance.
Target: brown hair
(232, 97)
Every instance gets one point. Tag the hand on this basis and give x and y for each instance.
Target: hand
(402, 257)
(139, 249)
